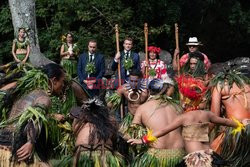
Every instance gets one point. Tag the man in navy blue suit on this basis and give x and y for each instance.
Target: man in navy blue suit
(126, 54)
(91, 69)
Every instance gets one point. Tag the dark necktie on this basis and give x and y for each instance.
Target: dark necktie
(91, 58)
(126, 55)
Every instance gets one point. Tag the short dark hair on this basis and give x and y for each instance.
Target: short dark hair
(53, 70)
(93, 41)
(196, 55)
(128, 39)
(136, 72)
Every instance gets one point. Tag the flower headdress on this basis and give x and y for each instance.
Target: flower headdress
(154, 49)
(192, 90)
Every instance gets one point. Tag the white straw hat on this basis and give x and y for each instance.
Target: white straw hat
(193, 41)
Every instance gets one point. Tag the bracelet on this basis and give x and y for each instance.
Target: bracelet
(149, 138)
(143, 142)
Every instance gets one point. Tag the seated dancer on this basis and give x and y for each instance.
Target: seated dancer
(69, 52)
(135, 93)
(195, 129)
(21, 47)
(231, 89)
(157, 113)
(22, 135)
(96, 134)
(195, 66)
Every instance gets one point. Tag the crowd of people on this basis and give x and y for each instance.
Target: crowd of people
(63, 115)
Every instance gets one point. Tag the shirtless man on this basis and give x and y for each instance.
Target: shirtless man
(155, 114)
(236, 100)
(195, 129)
(135, 93)
(21, 136)
(96, 133)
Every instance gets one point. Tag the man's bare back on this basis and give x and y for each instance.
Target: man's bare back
(238, 102)
(155, 117)
(235, 100)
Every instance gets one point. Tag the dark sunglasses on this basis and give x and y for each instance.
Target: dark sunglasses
(192, 46)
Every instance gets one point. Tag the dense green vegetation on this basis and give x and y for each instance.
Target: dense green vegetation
(223, 26)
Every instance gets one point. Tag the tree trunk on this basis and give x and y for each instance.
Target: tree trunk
(24, 15)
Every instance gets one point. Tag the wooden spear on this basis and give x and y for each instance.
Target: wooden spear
(177, 47)
(146, 47)
(119, 65)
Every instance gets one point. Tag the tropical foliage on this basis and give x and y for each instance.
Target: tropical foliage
(223, 26)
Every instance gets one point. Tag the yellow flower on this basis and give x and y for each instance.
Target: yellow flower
(63, 37)
(150, 136)
(239, 127)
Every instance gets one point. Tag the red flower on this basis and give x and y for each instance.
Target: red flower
(191, 87)
(154, 49)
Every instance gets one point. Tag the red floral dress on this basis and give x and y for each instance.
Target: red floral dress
(158, 66)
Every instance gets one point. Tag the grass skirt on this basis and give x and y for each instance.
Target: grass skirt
(129, 130)
(236, 149)
(93, 159)
(127, 121)
(21, 56)
(159, 158)
(5, 160)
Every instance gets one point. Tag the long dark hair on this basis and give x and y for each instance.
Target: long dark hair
(200, 70)
(95, 113)
(53, 70)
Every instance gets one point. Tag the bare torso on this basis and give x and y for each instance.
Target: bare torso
(82, 137)
(155, 118)
(21, 51)
(133, 105)
(36, 97)
(193, 117)
(236, 101)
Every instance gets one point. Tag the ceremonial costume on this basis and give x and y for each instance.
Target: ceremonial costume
(230, 144)
(21, 45)
(69, 63)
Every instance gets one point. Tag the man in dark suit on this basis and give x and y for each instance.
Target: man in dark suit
(90, 69)
(126, 54)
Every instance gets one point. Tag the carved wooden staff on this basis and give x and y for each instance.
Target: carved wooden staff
(146, 47)
(119, 65)
(118, 50)
(177, 46)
